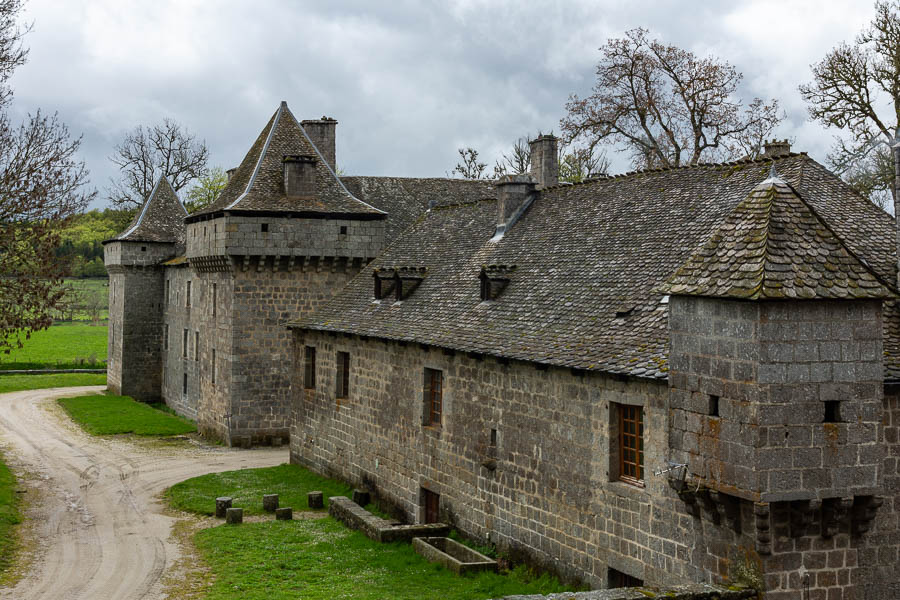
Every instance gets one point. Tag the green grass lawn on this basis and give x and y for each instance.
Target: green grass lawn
(247, 486)
(104, 414)
(89, 297)
(16, 383)
(320, 559)
(62, 346)
(9, 515)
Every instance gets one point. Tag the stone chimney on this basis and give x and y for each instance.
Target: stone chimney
(230, 173)
(544, 160)
(515, 194)
(299, 175)
(775, 148)
(321, 132)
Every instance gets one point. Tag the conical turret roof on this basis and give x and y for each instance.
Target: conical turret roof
(774, 246)
(257, 185)
(160, 219)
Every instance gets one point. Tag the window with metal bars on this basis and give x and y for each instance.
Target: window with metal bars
(309, 368)
(343, 376)
(631, 444)
(434, 403)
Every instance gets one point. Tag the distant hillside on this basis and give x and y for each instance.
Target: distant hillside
(82, 240)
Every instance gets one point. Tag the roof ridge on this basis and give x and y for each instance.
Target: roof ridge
(262, 154)
(890, 285)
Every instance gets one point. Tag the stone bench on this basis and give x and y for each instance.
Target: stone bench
(700, 591)
(355, 516)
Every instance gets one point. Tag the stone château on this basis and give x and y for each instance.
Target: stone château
(671, 376)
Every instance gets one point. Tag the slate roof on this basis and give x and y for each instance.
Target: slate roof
(773, 246)
(160, 219)
(405, 199)
(590, 260)
(257, 184)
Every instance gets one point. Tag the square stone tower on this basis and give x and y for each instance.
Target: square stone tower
(136, 293)
(776, 382)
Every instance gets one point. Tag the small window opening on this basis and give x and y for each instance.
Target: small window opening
(618, 579)
(184, 344)
(832, 411)
(213, 359)
(343, 377)
(204, 232)
(309, 368)
(143, 248)
(431, 502)
(493, 438)
(184, 384)
(343, 230)
(713, 405)
(264, 227)
(196, 345)
(187, 297)
(434, 404)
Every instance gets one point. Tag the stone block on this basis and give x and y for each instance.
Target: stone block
(361, 497)
(223, 503)
(234, 516)
(270, 502)
(285, 513)
(314, 500)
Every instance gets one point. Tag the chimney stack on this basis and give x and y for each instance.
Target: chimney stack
(321, 132)
(299, 175)
(515, 193)
(544, 160)
(774, 148)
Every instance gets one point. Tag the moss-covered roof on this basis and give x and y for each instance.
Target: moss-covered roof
(160, 219)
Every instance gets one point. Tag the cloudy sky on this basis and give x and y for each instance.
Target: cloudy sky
(409, 82)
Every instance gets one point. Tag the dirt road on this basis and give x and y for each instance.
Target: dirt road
(99, 531)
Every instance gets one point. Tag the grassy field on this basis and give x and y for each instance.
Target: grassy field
(320, 559)
(16, 383)
(246, 487)
(104, 414)
(62, 346)
(9, 515)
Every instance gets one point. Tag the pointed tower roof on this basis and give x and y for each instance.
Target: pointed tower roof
(160, 219)
(257, 185)
(773, 245)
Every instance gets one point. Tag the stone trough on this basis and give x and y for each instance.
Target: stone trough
(453, 555)
(381, 530)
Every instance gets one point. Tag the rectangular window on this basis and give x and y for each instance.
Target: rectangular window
(187, 298)
(184, 384)
(196, 345)
(184, 344)
(168, 289)
(166, 339)
(434, 405)
(618, 579)
(631, 444)
(309, 368)
(214, 298)
(213, 374)
(343, 376)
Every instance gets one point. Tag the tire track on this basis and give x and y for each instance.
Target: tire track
(100, 529)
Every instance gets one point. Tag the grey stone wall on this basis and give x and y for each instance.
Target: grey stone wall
(772, 368)
(245, 236)
(546, 491)
(134, 359)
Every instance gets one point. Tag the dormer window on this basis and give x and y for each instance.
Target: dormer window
(494, 279)
(398, 282)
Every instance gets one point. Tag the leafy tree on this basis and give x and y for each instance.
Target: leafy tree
(206, 190)
(667, 106)
(469, 167)
(144, 154)
(856, 89)
(41, 188)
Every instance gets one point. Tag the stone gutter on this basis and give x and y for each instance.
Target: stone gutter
(700, 591)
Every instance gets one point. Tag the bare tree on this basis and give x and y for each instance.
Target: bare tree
(667, 106)
(577, 164)
(144, 154)
(518, 160)
(41, 188)
(469, 167)
(856, 89)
